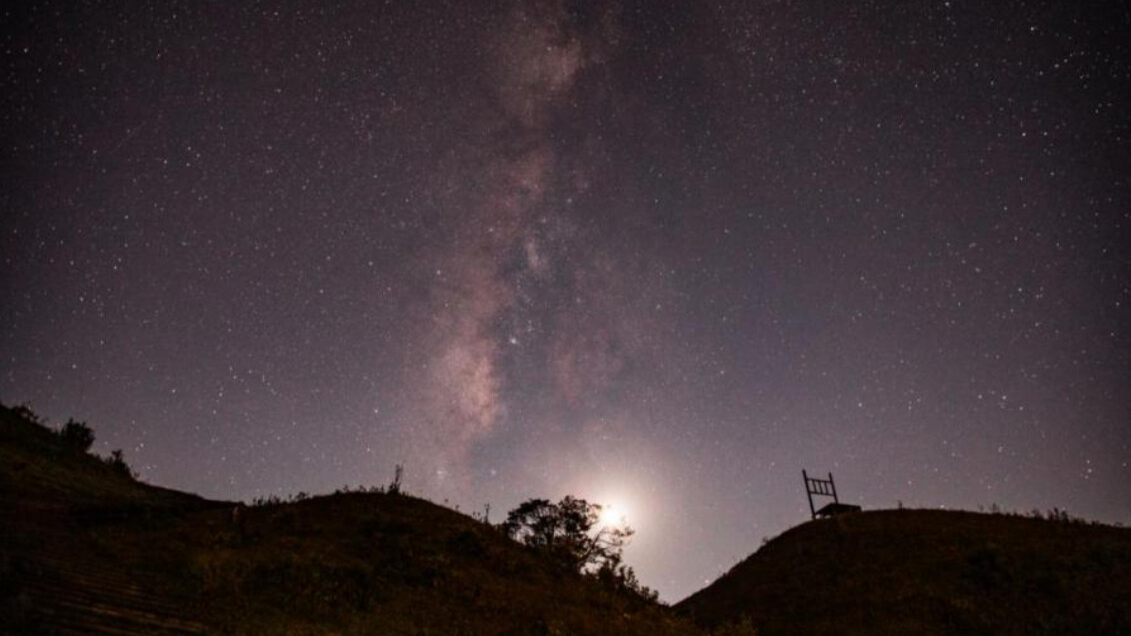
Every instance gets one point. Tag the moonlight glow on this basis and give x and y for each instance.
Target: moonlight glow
(613, 515)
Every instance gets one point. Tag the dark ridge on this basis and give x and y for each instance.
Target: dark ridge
(87, 549)
(929, 572)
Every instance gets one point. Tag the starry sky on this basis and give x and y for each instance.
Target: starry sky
(658, 254)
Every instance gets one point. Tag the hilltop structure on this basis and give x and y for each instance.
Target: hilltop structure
(825, 488)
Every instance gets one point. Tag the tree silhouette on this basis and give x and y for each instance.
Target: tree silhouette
(77, 435)
(568, 532)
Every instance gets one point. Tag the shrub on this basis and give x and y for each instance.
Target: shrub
(117, 462)
(76, 436)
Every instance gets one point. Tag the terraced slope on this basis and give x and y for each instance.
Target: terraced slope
(66, 585)
(60, 570)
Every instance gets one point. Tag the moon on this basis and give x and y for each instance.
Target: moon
(613, 515)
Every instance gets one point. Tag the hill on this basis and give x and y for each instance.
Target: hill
(929, 572)
(88, 549)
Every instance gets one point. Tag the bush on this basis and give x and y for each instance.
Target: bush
(76, 436)
(117, 462)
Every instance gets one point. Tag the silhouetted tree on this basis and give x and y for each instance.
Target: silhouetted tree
(568, 532)
(77, 435)
(117, 461)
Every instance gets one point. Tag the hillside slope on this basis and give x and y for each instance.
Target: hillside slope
(929, 572)
(86, 549)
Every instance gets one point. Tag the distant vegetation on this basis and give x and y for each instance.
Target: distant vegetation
(73, 436)
(44, 459)
(1053, 514)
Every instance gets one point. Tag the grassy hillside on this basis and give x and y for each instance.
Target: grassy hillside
(389, 564)
(37, 466)
(929, 572)
(87, 549)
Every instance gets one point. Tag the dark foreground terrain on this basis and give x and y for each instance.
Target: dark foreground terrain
(87, 549)
(929, 572)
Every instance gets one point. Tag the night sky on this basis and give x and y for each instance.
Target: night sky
(662, 255)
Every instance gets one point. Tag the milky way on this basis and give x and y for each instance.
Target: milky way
(658, 254)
